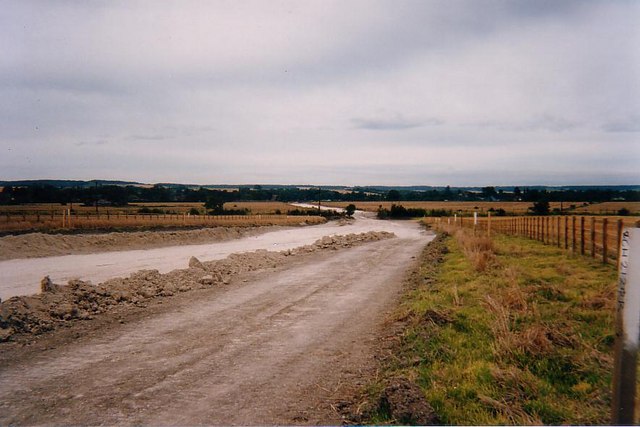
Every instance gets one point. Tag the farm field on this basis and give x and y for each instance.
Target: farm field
(608, 208)
(132, 208)
(44, 217)
(466, 207)
(511, 208)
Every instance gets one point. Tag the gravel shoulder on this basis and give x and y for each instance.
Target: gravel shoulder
(273, 346)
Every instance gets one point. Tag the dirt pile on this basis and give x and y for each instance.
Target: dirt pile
(405, 403)
(81, 300)
(35, 245)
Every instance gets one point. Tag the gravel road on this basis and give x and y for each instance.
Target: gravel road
(273, 347)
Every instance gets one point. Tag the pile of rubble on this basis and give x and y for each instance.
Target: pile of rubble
(80, 300)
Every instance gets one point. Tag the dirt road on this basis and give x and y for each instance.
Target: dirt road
(271, 347)
(22, 276)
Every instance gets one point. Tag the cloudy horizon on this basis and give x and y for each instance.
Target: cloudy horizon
(322, 92)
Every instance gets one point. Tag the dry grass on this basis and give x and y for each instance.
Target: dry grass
(46, 216)
(261, 207)
(529, 343)
(121, 221)
(608, 208)
(477, 248)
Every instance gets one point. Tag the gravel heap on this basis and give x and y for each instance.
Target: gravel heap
(80, 300)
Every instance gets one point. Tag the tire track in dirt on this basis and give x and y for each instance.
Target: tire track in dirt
(266, 351)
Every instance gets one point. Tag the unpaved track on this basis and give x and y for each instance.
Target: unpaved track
(271, 348)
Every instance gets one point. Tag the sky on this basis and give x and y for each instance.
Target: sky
(346, 92)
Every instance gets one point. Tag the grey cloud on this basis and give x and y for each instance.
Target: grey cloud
(630, 125)
(545, 122)
(90, 143)
(195, 83)
(393, 123)
(548, 123)
(138, 137)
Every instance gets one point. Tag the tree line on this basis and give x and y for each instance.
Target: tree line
(119, 195)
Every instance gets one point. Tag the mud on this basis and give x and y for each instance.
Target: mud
(58, 305)
(35, 245)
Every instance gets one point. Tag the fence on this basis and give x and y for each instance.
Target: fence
(67, 219)
(592, 236)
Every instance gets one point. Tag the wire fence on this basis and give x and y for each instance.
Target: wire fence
(598, 237)
(67, 219)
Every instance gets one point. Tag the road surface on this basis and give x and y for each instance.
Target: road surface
(23, 276)
(270, 348)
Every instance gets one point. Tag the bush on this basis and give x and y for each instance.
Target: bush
(350, 209)
(146, 210)
(399, 212)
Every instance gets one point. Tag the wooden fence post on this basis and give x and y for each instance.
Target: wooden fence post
(619, 241)
(488, 224)
(593, 237)
(573, 235)
(541, 229)
(566, 232)
(605, 223)
(558, 231)
(581, 235)
(546, 220)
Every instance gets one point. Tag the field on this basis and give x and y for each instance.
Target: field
(143, 215)
(511, 208)
(135, 207)
(261, 207)
(595, 236)
(465, 208)
(506, 331)
(609, 208)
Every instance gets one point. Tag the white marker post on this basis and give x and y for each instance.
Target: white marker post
(627, 329)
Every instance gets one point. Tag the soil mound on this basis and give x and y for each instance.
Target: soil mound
(35, 245)
(81, 300)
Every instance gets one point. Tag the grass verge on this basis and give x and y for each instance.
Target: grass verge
(504, 331)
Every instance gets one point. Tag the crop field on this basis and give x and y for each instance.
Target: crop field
(43, 217)
(511, 208)
(261, 207)
(465, 208)
(131, 208)
(609, 208)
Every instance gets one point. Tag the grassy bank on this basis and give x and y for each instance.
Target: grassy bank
(506, 331)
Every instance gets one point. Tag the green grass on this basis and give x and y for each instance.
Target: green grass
(523, 338)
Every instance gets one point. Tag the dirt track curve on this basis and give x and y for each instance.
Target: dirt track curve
(273, 347)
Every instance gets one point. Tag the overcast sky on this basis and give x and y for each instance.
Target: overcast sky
(321, 92)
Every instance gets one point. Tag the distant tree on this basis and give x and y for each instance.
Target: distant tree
(488, 192)
(350, 209)
(447, 193)
(624, 212)
(517, 193)
(393, 195)
(541, 207)
(214, 203)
